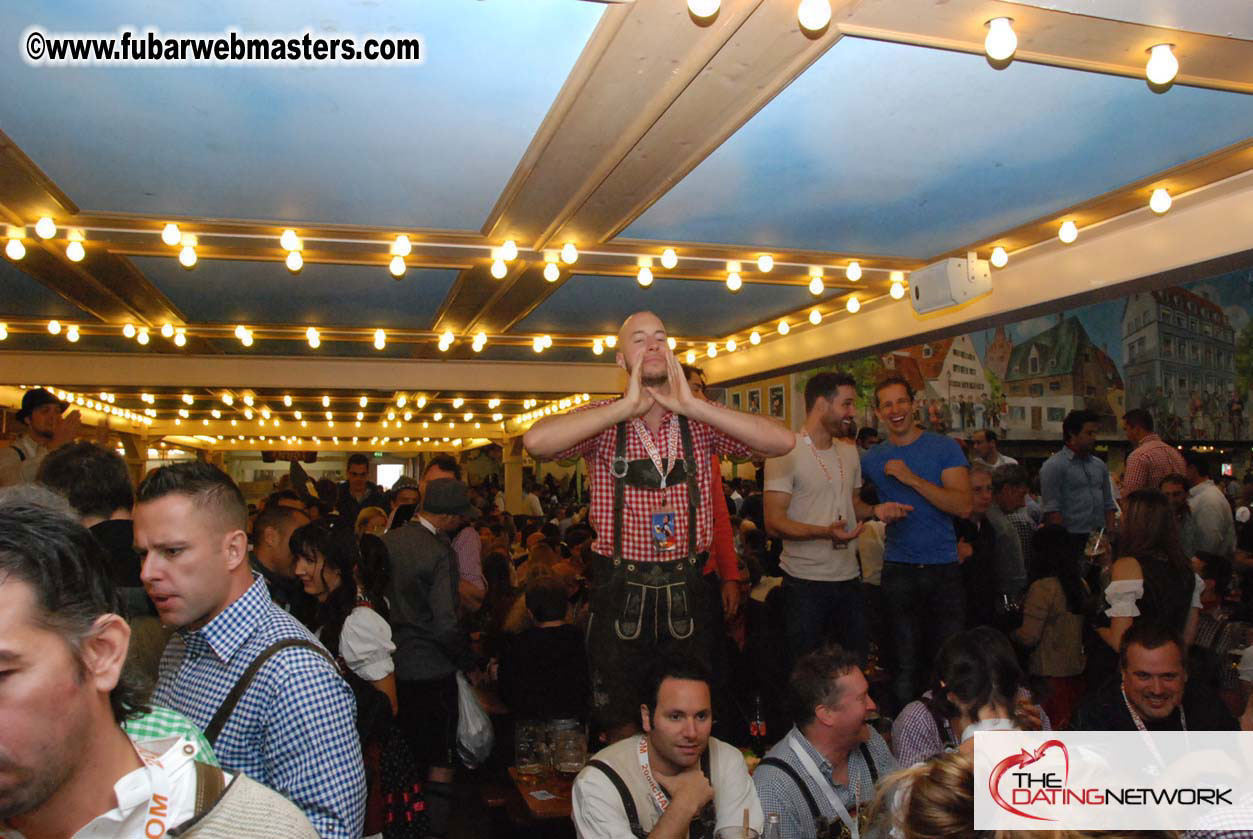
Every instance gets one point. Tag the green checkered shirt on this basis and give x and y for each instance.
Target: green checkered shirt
(161, 723)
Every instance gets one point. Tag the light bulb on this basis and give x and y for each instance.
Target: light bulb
(569, 253)
(187, 256)
(645, 276)
(171, 235)
(815, 317)
(14, 249)
(669, 258)
(295, 262)
(765, 263)
(499, 269)
(74, 252)
(326, 401)
(1160, 201)
(142, 337)
(247, 339)
(54, 327)
(1162, 65)
(537, 344)
(46, 228)
(611, 341)
(853, 271)
(457, 403)
(380, 341)
(999, 258)
(467, 416)
(437, 416)
(188, 399)
(671, 343)
(167, 330)
(1068, 232)
(71, 334)
(897, 290)
(711, 349)
(691, 356)
(289, 240)
(853, 305)
(703, 8)
(731, 345)
(1001, 41)
(509, 251)
(734, 283)
(815, 286)
(180, 338)
(548, 341)
(551, 272)
(598, 347)
(401, 247)
(396, 267)
(814, 14)
(312, 336)
(297, 415)
(784, 328)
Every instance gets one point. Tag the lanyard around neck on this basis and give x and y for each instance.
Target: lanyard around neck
(822, 465)
(826, 785)
(1139, 723)
(659, 796)
(663, 464)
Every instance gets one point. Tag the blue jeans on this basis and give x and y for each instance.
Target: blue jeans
(816, 611)
(925, 605)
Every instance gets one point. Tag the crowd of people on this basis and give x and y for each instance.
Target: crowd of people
(873, 600)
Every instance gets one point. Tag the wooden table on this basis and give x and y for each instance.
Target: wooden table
(544, 808)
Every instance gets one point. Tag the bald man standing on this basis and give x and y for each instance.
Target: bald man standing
(649, 455)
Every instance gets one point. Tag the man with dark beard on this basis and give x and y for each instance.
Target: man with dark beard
(649, 457)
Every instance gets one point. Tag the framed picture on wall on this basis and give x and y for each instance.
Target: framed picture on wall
(754, 401)
(777, 401)
(737, 400)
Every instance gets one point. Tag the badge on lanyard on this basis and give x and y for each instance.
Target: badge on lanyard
(663, 526)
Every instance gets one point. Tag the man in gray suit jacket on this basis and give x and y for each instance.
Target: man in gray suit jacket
(430, 644)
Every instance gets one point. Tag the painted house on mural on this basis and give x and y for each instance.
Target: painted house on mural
(1057, 371)
(949, 372)
(1178, 346)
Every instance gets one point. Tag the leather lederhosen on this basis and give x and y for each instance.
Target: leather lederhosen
(642, 608)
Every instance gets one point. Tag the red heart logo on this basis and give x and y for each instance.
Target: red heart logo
(1024, 758)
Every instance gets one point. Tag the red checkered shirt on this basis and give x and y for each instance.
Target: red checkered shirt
(637, 544)
(1151, 461)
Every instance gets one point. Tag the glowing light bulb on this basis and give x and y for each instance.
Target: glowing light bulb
(74, 252)
(1162, 64)
(815, 286)
(814, 14)
(396, 267)
(598, 347)
(167, 330)
(703, 8)
(815, 317)
(187, 256)
(897, 290)
(402, 246)
(611, 341)
(711, 349)
(1160, 201)
(128, 331)
(734, 283)
(548, 341)
(54, 327)
(669, 258)
(45, 228)
(171, 235)
(437, 416)
(645, 276)
(380, 340)
(853, 271)
(14, 249)
(551, 272)
(289, 240)
(247, 339)
(467, 416)
(1001, 40)
(671, 343)
(71, 334)
(297, 415)
(853, 305)
(537, 344)
(499, 269)
(569, 253)
(180, 338)
(999, 258)
(754, 337)
(765, 263)
(731, 345)
(142, 337)
(457, 403)
(784, 328)
(1068, 232)
(312, 336)
(509, 251)
(295, 262)
(691, 356)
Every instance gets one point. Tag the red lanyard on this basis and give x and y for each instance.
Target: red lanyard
(823, 466)
(664, 465)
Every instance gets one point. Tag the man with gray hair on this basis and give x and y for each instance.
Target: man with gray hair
(1013, 533)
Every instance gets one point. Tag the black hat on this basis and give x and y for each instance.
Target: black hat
(36, 398)
(448, 496)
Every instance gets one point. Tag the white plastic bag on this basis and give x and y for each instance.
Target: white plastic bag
(474, 727)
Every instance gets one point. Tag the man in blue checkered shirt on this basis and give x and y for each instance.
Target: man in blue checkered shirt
(294, 729)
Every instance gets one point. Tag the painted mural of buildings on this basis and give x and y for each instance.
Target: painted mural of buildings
(1057, 371)
(948, 380)
(996, 358)
(1179, 358)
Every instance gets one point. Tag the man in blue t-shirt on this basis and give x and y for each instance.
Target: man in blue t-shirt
(921, 582)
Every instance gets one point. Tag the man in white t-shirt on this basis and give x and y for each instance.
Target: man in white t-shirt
(811, 503)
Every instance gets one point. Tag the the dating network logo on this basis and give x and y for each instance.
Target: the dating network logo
(1026, 787)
